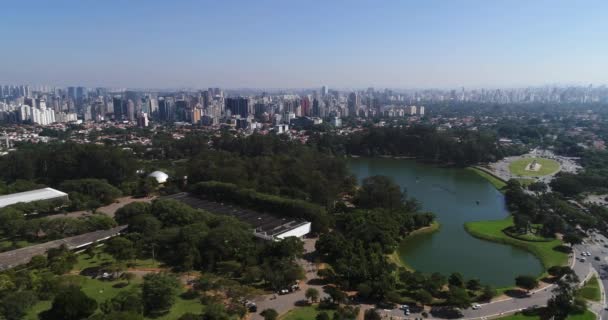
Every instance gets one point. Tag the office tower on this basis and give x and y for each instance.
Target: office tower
(142, 120)
(354, 101)
(131, 110)
(166, 109)
(117, 106)
(238, 106)
(324, 91)
(421, 111)
(305, 105)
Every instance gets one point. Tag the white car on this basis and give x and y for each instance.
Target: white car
(476, 306)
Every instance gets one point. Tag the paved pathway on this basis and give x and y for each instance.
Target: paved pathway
(283, 303)
(107, 210)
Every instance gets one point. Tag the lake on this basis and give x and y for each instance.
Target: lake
(452, 194)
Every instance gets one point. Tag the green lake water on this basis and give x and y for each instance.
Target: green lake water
(452, 194)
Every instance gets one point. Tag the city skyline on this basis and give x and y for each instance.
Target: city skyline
(279, 45)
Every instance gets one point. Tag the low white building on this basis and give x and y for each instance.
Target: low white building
(45, 194)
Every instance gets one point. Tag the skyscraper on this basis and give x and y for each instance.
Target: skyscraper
(238, 106)
(354, 101)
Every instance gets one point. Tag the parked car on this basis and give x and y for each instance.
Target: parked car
(476, 306)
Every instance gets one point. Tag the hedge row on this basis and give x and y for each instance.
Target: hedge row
(251, 199)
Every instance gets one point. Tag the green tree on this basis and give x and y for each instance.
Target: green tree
(458, 297)
(526, 282)
(121, 248)
(270, 314)
(312, 294)
(70, 304)
(371, 314)
(124, 301)
(379, 192)
(456, 279)
(322, 316)
(14, 305)
(159, 291)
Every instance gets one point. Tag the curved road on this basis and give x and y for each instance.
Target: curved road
(539, 297)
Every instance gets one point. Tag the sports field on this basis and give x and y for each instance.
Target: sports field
(547, 166)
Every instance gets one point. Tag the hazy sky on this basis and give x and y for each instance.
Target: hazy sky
(303, 43)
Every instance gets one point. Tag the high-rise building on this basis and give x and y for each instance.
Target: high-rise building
(117, 105)
(354, 101)
(238, 106)
(324, 91)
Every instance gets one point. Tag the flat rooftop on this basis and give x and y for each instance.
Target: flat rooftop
(265, 225)
(31, 196)
(10, 259)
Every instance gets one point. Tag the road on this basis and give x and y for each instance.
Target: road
(506, 306)
(283, 303)
(596, 246)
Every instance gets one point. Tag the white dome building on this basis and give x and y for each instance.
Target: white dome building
(159, 176)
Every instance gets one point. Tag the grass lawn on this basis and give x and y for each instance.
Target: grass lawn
(305, 313)
(492, 231)
(6, 245)
(591, 290)
(497, 183)
(101, 258)
(104, 290)
(587, 315)
(525, 181)
(548, 166)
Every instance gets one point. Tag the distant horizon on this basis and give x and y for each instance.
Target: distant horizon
(548, 85)
(299, 44)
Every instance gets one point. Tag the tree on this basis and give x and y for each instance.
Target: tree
(70, 304)
(121, 248)
(15, 305)
(312, 294)
(424, 297)
(269, 314)
(159, 291)
(564, 301)
(458, 297)
(124, 301)
(473, 284)
(559, 271)
(456, 279)
(526, 282)
(488, 293)
(322, 316)
(371, 314)
(572, 239)
(336, 295)
(379, 192)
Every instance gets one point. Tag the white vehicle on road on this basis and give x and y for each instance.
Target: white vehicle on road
(476, 306)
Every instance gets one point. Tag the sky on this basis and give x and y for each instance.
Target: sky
(304, 43)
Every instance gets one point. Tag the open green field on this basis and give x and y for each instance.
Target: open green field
(104, 290)
(101, 258)
(493, 231)
(496, 182)
(587, 315)
(305, 313)
(548, 166)
(591, 290)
